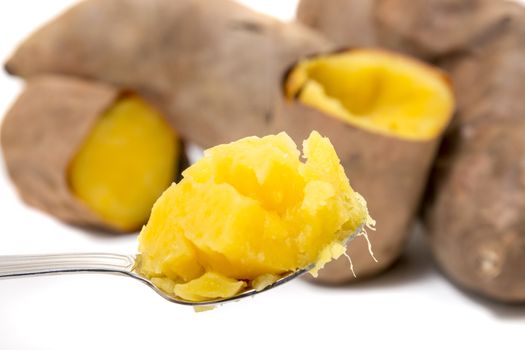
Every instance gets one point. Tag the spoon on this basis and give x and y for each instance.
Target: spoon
(12, 266)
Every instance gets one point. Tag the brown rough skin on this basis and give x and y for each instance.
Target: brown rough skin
(476, 199)
(346, 23)
(475, 212)
(388, 171)
(434, 29)
(409, 27)
(40, 134)
(214, 66)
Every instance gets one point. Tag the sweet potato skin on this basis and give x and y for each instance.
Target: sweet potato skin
(475, 220)
(215, 67)
(475, 208)
(40, 135)
(435, 29)
(341, 21)
(427, 29)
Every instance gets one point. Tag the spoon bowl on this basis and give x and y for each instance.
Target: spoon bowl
(12, 266)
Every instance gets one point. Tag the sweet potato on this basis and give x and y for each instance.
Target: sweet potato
(475, 209)
(407, 27)
(88, 153)
(215, 67)
(475, 202)
(436, 29)
(344, 22)
(247, 213)
(384, 114)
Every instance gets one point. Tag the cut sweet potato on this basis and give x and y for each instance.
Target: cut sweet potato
(87, 154)
(128, 158)
(385, 114)
(474, 211)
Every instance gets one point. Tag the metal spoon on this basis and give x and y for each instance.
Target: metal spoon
(36, 265)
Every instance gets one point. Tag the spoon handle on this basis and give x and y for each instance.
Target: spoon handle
(33, 265)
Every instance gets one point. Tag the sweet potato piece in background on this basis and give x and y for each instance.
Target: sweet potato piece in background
(385, 114)
(427, 29)
(477, 197)
(87, 154)
(128, 158)
(215, 67)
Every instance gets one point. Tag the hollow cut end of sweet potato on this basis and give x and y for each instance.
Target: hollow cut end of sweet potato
(125, 162)
(375, 90)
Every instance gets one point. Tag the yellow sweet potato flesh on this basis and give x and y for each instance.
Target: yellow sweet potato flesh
(210, 285)
(377, 91)
(250, 210)
(126, 162)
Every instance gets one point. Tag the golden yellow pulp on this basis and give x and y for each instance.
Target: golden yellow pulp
(126, 162)
(248, 212)
(377, 91)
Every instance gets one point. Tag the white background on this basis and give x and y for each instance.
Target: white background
(411, 306)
